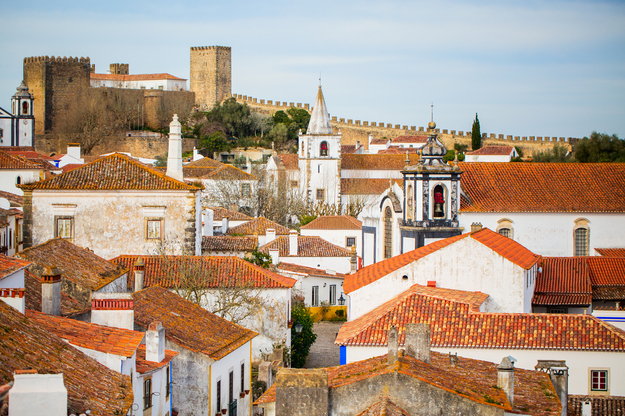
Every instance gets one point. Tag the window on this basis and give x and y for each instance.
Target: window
(153, 229)
(18, 180)
(64, 226)
(167, 383)
(242, 377)
(1, 132)
(581, 242)
(231, 387)
(147, 394)
(388, 233)
(504, 227)
(323, 149)
(321, 194)
(332, 294)
(439, 202)
(350, 241)
(557, 310)
(315, 296)
(246, 190)
(218, 395)
(25, 107)
(294, 184)
(599, 380)
(506, 232)
(160, 87)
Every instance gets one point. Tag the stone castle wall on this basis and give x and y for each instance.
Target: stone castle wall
(354, 131)
(210, 75)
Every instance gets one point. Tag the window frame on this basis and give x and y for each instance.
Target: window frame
(242, 377)
(218, 396)
(167, 382)
(57, 229)
(152, 220)
(443, 193)
(347, 241)
(294, 184)
(322, 151)
(332, 295)
(605, 380)
(315, 296)
(147, 393)
(320, 194)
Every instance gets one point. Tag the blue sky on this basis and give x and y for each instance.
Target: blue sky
(532, 68)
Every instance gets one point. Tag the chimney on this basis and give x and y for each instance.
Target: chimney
(353, 260)
(155, 342)
(476, 226)
(174, 157)
(270, 235)
(113, 309)
(224, 225)
(293, 243)
(417, 342)
(51, 291)
(196, 155)
(559, 375)
(248, 165)
(431, 283)
(37, 394)
(275, 256)
(393, 343)
(139, 274)
(73, 149)
(505, 377)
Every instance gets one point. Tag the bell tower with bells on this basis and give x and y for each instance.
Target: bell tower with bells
(22, 106)
(432, 196)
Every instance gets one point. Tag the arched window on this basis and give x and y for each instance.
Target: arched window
(25, 107)
(581, 237)
(323, 149)
(388, 233)
(439, 201)
(504, 227)
(18, 180)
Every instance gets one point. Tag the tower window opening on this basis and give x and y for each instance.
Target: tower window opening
(439, 202)
(323, 150)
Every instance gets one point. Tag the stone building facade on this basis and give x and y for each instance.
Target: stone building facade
(211, 75)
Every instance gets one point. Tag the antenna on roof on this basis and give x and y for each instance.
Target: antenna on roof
(319, 78)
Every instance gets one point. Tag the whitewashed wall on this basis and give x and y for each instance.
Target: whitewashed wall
(8, 179)
(220, 371)
(338, 264)
(336, 237)
(305, 284)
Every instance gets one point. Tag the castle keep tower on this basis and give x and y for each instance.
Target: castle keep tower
(54, 84)
(211, 75)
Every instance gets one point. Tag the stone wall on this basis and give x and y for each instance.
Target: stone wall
(210, 75)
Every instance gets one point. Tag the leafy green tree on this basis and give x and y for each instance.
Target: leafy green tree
(451, 155)
(600, 148)
(216, 142)
(559, 154)
(234, 117)
(260, 259)
(299, 117)
(476, 135)
(301, 342)
(279, 133)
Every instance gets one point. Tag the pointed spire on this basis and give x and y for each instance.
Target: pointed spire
(319, 119)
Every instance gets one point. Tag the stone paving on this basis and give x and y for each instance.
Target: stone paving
(323, 353)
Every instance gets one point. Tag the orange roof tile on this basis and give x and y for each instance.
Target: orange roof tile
(454, 325)
(611, 252)
(506, 247)
(90, 385)
(216, 271)
(134, 77)
(367, 186)
(469, 378)
(376, 161)
(69, 307)
(15, 200)
(228, 243)
(106, 339)
(410, 139)
(71, 166)
(396, 150)
(600, 405)
(543, 187)
(379, 141)
(347, 149)
(205, 162)
(307, 246)
(290, 161)
(493, 151)
(9, 265)
(310, 271)
(113, 172)
(75, 263)
(258, 226)
(220, 213)
(187, 324)
(144, 366)
(9, 161)
(229, 172)
(334, 222)
(191, 172)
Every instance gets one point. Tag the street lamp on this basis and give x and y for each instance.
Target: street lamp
(298, 327)
(341, 300)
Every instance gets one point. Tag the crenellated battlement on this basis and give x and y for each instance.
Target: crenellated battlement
(58, 59)
(215, 48)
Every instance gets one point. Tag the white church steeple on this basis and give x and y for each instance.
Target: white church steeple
(319, 119)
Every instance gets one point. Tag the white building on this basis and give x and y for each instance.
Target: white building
(491, 154)
(161, 81)
(340, 230)
(17, 128)
(317, 285)
(15, 171)
(12, 281)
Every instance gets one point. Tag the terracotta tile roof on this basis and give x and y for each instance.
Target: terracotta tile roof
(473, 299)
(205, 162)
(258, 226)
(543, 187)
(379, 141)
(611, 252)
(334, 222)
(384, 407)
(9, 161)
(27, 153)
(9, 265)
(15, 200)
(410, 139)
(310, 271)
(106, 339)
(71, 166)
(396, 150)
(134, 77)
(601, 405)
(472, 379)
(579, 280)
(228, 172)
(218, 271)
(506, 247)
(229, 243)
(367, 186)
(290, 161)
(113, 172)
(376, 161)
(220, 213)
(69, 307)
(493, 151)
(76, 264)
(187, 324)
(348, 149)
(90, 385)
(190, 172)
(307, 246)
(454, 325)
(144, 366)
